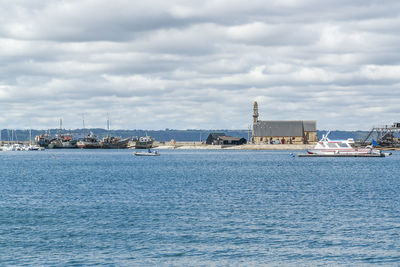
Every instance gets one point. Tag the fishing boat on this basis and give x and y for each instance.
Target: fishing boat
(342, 148)
(43, 140)
(90, 141)
(143, 142)
(114, 142)
(63, 141)
(148, 153)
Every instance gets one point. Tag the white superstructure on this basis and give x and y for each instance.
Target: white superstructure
(340, 147)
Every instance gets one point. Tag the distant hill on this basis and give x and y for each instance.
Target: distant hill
(356, 135)
(161, 135)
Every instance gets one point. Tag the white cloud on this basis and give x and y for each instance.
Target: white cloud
(190, 64)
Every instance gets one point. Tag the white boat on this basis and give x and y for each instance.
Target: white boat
(327, 147)
(147, 153)
(19, 147)
(31, 147)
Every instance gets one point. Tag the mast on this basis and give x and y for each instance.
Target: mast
(108, 125)
(83, 123)
(83, 120)
(60, 127)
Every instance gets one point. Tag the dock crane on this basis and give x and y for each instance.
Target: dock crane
(385, 135)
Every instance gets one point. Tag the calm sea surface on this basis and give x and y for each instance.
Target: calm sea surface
(190, 208)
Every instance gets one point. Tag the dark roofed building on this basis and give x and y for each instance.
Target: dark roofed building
(293, 132)
(222, 139)
(212, 137)
(230, 141)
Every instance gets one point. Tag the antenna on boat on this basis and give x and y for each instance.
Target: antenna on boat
(325, 136)
(83, 120)
(108, 124)
(60, 126)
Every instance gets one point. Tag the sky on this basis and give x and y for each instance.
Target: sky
(159, 64)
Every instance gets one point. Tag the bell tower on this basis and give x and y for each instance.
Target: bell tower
(255, 112)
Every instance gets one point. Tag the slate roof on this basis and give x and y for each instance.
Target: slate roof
(283, 128)
(212, 137)
(230, 138)
(215, 135)
(310, 126)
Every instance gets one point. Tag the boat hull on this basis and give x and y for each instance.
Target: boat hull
(341, 152)
(85, 145)
(116, 145)
(374, 155)
(145, 154)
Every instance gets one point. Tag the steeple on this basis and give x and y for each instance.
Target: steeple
(255, 112)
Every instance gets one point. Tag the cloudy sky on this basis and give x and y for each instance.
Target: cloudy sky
(159, 64)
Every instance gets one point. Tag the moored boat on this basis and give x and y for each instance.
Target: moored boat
(63, 141)
(144, 142)
(114, 142)
(90, 141)
(43, 140)
(342, 148)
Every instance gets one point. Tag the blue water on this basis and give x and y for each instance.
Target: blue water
(190, 208)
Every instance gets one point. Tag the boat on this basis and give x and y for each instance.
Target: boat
(90, 141)
(63, 141)
(342, 148)
(142, 142)
(148, 153)
(13, 147)
(32, 147)
(114, 142)
(43, 140)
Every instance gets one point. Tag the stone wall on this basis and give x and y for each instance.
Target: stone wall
(309, 138)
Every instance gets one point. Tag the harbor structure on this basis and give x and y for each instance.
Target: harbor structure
(283, 132)
(386, 136)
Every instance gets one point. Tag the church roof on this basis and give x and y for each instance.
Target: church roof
(215, 135)
(310, 126)
(283, 128)
(230, 138)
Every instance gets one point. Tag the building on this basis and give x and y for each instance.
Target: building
(212, 137)
(230, 141)
(222, 139)
(283, 132)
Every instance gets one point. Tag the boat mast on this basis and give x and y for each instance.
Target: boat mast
(108, 125)
(83, 122)
(60, 127)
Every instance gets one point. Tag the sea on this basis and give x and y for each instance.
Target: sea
(197, 208)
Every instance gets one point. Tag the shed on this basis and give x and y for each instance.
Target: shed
(212, 137)
(230, 140)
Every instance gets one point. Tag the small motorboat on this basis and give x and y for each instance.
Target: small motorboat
(147, 153)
